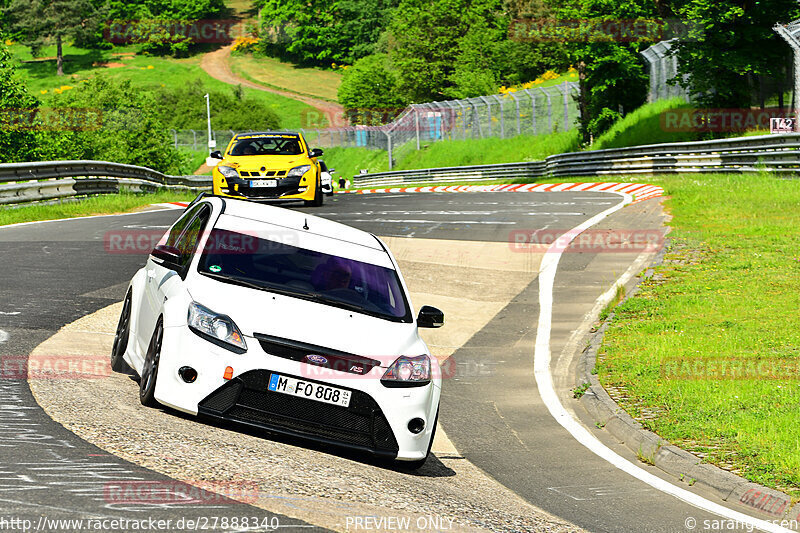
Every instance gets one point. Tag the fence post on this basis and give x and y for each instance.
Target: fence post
(476, 118)
(175, 138)
(416, 123)
(194, 140)
(502, 117)
(489, 111)
(389, 147)
(464, 111)
(549, 110)
(516, 103)
(566, 105)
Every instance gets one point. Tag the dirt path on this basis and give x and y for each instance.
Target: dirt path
(217, 66)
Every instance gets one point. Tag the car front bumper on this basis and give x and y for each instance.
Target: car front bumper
(376, 421)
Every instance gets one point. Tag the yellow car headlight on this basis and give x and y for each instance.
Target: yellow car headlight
(296, 172)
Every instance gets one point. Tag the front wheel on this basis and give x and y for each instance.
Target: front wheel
(319, 198)
(118, 363)
(147, 382)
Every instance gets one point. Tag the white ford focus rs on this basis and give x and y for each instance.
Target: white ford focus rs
(283, 321)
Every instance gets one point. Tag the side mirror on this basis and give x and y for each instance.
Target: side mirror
(315, 152)
(216, 154)
(331, 170)
(169, 254)
(430, 317)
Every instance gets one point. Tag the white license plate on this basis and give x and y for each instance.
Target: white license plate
(263, 183)
(312, 391)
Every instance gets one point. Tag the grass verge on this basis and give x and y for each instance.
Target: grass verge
(271, 72)
(724, 301)
(93, 205)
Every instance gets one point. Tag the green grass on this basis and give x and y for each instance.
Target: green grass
(643, 126)
(728, 290)
(94, 205)
(143, 71)
(271, 72)
(348, 161)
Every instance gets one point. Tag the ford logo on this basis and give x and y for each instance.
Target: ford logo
(317, 359)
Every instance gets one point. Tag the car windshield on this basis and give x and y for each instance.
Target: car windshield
(363, 287)
(267, 146)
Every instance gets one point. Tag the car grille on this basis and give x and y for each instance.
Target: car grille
(285, 186)
(247, 399)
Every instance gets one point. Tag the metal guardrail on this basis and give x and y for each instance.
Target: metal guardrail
(49, 180)
(771, 153)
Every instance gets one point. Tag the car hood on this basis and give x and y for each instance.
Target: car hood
(282, 316)
(256, 162)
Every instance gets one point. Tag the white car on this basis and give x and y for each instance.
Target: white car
(284, 321)
(326, 178)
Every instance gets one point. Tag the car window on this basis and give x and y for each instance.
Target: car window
(334, 280)
(187, 242)
(322, 166)
(267, 146)
(177, 229)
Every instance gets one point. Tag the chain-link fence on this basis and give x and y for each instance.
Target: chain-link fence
(663, 67)
(532, 111)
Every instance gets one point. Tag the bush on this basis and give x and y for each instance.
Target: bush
(130, 129)
(185, 108)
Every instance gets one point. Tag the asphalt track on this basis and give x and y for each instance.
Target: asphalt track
(57, 272)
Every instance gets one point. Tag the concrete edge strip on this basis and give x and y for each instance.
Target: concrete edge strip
(669, 458)
(544, 382)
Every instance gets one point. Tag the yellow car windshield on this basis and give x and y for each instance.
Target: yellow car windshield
(267, 146)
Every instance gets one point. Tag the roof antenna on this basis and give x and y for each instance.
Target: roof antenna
(305, 224)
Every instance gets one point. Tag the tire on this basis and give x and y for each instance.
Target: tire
(147, 381)
(121, 337)
(416, 465)
(318, 200)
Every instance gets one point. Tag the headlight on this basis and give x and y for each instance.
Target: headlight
(408, 372)
(219, 329)
(228, 172)
(296, 172)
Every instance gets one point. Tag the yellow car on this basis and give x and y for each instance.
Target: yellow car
(269, 166)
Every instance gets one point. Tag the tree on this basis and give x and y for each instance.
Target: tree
(40, 21)
(18, 139)
(732, 47)
(369, 91)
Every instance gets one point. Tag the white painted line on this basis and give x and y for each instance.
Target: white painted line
(544, 382)
(3, 336)
(76, 218)
(10, 313)
(412, 221)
